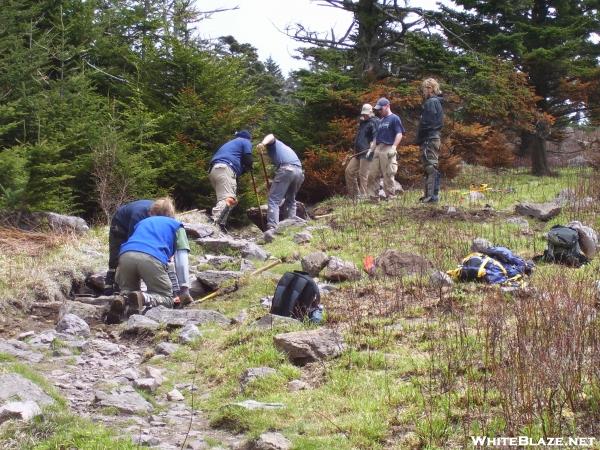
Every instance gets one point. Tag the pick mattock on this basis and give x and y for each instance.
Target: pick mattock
(262, 160)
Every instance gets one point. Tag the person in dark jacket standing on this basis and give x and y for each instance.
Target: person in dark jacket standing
(228, 163)
(357, 170)
(428, 137)
(289, 176)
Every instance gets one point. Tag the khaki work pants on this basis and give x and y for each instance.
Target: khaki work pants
(384, 164)
(223, 180)
(357, 177)
(137, 266)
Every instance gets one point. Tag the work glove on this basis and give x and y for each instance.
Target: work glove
(261, 147)
(369, 154)
(183, 298)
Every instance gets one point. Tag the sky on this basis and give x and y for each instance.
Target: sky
(261, 23)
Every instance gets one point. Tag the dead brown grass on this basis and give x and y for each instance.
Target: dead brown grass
(14, 241)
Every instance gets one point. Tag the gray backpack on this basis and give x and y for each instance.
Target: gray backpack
(563, 247)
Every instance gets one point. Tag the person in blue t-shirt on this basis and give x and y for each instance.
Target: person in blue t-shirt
(289, 176)
(385, 163)
(121, 228)
(145, 257)
(227, 164)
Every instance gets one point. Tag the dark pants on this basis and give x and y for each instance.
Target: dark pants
(116, 237)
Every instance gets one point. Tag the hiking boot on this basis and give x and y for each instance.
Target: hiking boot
(135, 303)
(115, 313)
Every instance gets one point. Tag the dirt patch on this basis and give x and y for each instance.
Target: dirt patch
(467, 215)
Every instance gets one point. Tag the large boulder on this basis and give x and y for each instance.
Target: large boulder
(199, 230)
(138, 324)
(24, 411)
(73, 325)
(14, 387)
(214, 279)
(393, 263)
(65, 224)
(181, 317)
(540, 211)
(303, 347)
(254, 373)
(253, 251)
(339, 270)
(314, 262)
(271, 441)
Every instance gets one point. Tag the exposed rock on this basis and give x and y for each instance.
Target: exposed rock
(439, 279)
(306, 346)
(520, 221)
(451, 210)
(95, 281)
(140, 324)
(480, 244)
(253, 251)
(181, 317)
(175, 396)
(475, 196)
(246, 266)
(197, 289)
(14, 387)
(155, 374)
(254, 373)
(166, 348)
(195, 216)
(566, 197)
(145, 384)
(269, 235)
(339, 270)
(24, 411)
(253, 404)
(394, 263)
(271, 441)
(89, 313)
(103, 300)
(541, 211)
(221, 244)
(104, 347)
(326, 288)
(130, 373)
(72, 324)
(64, 224)
(199, 230)
(314, 262)
(272, 321)
(287, 223)
(213, 279)
(220, 261)
(588, 238)
(47, 310)
(189, 333)
(20, 350)
(297, 385)
(578, 161)
(125, 400)
(302, 237)
(25, 335)
(241, 317)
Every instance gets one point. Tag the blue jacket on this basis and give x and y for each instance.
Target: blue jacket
(232, 153)
(282, 154)
(154, 236)
(128, 215)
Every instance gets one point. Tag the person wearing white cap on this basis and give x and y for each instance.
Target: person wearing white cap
(357, 170)
(385, 163)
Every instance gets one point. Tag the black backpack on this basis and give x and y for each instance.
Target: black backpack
(296, 295)
(563, 247)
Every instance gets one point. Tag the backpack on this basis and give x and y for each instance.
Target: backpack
(296, 295)
(513, 264)
(563, 247)
(497, 265)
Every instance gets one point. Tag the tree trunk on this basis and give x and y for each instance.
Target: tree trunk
(539, 156)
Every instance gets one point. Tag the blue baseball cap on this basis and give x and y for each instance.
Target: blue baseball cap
(381, 103)
(243, 134)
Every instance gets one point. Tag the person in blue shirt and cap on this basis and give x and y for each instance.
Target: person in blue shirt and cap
(385, 163)
(227, 164)
(289, 176)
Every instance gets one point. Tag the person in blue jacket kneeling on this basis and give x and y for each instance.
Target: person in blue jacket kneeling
(145, 256)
